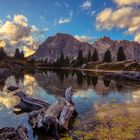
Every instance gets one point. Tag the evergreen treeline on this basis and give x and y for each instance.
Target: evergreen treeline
(63, 61)
(18, 54)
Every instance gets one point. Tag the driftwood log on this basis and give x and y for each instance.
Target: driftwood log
(51, 118)
(10, 133)
(29, 104)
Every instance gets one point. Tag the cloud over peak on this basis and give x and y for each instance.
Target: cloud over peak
(124, 17)
(84, 38)
(17, 33)
(20, 19)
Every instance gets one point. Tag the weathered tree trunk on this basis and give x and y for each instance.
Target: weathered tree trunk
(68, 94)
(65, 115)
(47, 118)
(67, 111)
(35, 118)
(53, 118)
(50, 119)
(10, 133)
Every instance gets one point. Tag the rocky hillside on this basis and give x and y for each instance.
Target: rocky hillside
(131, 48)
(65, 43)
(70, 46)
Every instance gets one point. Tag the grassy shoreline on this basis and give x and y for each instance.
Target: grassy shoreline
(115, 121)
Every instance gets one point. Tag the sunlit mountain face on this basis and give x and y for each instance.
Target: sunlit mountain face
(26, 24)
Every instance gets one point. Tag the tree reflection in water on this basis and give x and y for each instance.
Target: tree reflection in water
(106, 82)
(2, 84)
(67, 77)
(54, 82)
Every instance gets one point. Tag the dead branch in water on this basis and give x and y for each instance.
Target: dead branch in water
(30, 104)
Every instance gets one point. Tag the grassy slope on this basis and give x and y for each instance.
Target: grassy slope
(125, 66)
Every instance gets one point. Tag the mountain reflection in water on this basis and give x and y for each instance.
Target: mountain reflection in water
(88, 89)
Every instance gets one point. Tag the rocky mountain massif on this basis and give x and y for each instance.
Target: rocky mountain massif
(70, 46)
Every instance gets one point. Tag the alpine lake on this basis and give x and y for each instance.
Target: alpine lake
(103, 106)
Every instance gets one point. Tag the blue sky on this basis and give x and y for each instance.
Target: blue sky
(46, 14)
(24, 22)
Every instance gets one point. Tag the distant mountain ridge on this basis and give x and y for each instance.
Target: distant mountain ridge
(70, 46)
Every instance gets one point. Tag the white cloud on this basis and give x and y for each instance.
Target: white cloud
(137, 37)
(123, 18)
(127, 2)
(28, 51)
(84, 38)
(21, 20)
(41, 32)
(64, 20)
(17, 33)
(86, 5)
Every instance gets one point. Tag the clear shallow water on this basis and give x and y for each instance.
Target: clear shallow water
(88, 90)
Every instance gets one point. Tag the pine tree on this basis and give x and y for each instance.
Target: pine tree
(22, 55)
(3, 54)
(95, 56)
(67, 61)
(17, 53)
(57, 62)
(120, 55)
(46, 61)
(89, 57)
(107, 56)
(62, 58)
(80, 59)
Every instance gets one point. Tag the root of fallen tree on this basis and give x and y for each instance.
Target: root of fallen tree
(50, 118)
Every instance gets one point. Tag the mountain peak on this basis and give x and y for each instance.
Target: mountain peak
(61, 42)
(63, 34)
(105, 39)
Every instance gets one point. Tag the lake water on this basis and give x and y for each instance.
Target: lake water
(88, 89)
